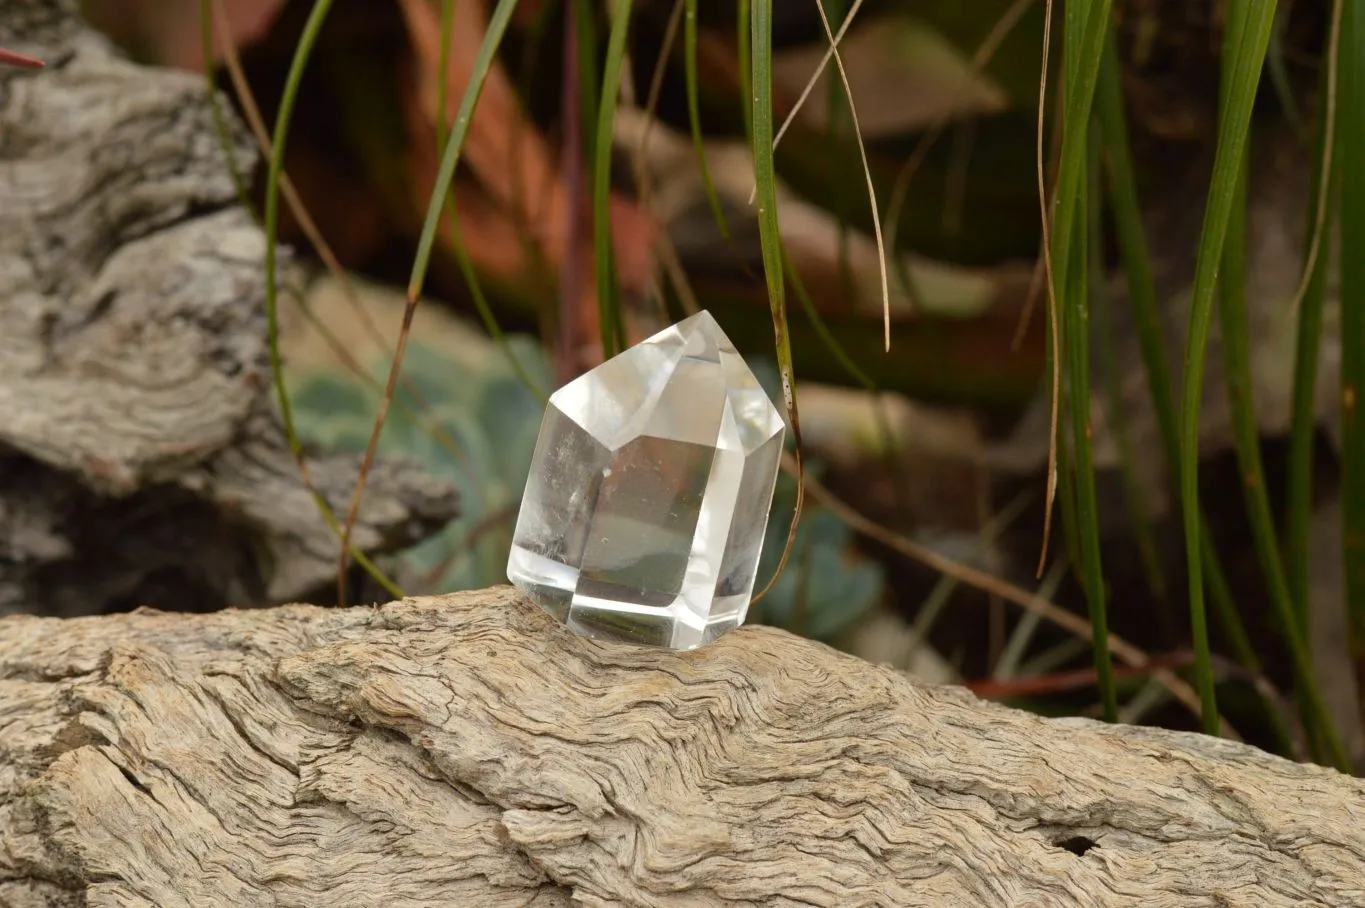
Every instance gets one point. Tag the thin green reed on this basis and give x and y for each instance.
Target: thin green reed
(1147, 321)
(1244, 48)
(694, 116)
(1232, 306)
(1085, 27)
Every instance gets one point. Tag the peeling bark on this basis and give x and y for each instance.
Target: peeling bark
(467, 750)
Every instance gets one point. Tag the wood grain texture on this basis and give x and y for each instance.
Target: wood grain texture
(467, 750)
(141, 461)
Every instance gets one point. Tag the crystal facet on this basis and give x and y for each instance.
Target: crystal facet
(644, 513)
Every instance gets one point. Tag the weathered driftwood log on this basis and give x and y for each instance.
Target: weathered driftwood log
(140, 457)
(467, 750)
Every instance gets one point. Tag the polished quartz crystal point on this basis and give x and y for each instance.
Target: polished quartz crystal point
(649, 491)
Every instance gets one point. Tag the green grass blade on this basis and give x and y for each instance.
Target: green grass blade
(471, 277)
(822, 330)
(1244, 50)
(450, 159)
(490, 322)
(765, 194)
(1085, 30)
(608, 290)
(765, 179)
(694, 116)
(1232, 305)
(1086, 26)
(1086, 527)
(436, 206)
(316, 18)
(1352, 127)
(1137, 267)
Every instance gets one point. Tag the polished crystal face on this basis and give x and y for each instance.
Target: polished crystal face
(648, 497)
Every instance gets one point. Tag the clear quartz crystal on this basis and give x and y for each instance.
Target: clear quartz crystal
(644, 513)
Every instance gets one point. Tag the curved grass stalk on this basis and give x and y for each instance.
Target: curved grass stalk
(456, 238)
(1244, 50)
(833, 52)
(885, 433)
(765, 182)
(822, 329)
(490, 322)
(1232, 304)
(830, 53)
(867, 170)
(291, 198)
(694, 116)
(462, 260)
(497, 27)
(1085, 30)
(319, 243)
(1132, 246)
(312, 27)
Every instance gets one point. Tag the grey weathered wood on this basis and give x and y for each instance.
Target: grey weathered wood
(140, 457)
(467, 750)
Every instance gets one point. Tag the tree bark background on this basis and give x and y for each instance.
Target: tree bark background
(467, 750)
(141, 458)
